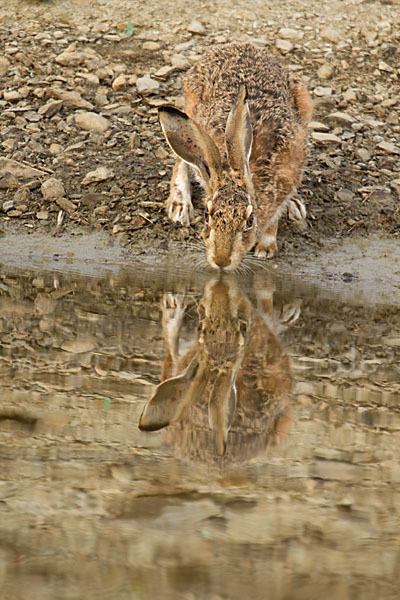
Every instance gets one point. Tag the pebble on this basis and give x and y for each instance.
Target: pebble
(345, 195)
(325, 71)
(363, 154)
(8, 205)
(91, 121)
(196, 27)
(119, 83)
(349, 96)
(342, 118)
(12, 96)
(389, 147)
(286, 33)
(164, 72)
(322, 91)
(284, 46)
(51, 108)
(324, 137)
(4, 66)
(179, 61)
(153, 46)
(330, 35)
(147, 85)
(42, 215)
(66, 205)
(100, 174)
(70, 99)
(52, 189)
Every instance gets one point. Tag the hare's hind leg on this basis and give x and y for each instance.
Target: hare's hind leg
(179, 204)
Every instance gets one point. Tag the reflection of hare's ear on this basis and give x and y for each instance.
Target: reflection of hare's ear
(222, 407)
(169, 400)
(173, 396)
(282, 426)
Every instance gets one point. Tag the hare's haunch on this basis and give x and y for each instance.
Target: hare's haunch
(243, 135)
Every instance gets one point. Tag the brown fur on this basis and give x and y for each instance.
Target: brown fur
(279, 109)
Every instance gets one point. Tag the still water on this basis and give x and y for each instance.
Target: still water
(267, 461)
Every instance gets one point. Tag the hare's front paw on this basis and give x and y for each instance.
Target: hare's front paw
(296, 210)
(290, 313)
(266, 248)
(179, 208)
(173, 306)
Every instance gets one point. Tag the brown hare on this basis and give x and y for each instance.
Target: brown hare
(243, 136)
(235, 377)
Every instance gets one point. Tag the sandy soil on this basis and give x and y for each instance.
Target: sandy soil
(101, 51)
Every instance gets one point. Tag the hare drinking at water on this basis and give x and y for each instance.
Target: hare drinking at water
(243, 136)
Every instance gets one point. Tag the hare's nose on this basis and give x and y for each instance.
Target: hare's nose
(222, 260)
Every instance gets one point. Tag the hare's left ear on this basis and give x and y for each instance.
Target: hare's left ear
(239, 134)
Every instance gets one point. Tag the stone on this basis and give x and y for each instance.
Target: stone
(79, 345)
(42, 215)
(66, 205)
(8, 205)
(52, 189)
(286, 33)
(345, 195)
(12, 96)
(164, 72)
(363, 154)
(56, 149)
(71, 59)
(18, 170)
(349, 96)
(284, 46)
(147, 85)
(322, 91)
(196, 27)
(51, 108)
(153, 46)
(318, 126)
(341, 118)
(70, 99)
(4, 66)
(179, 61)
(324, 137)
(100, 174)
(330, 35)
(325, 71)
(389, 147)
(119, 83)
(91, 121)
(8, 182)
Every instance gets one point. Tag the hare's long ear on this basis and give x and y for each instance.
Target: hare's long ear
(169, 400)
(239, 134)
(222, 407)
(190, 142)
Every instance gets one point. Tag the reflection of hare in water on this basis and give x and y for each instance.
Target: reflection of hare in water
(236, 372)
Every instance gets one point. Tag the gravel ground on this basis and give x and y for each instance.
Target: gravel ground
(80, 82)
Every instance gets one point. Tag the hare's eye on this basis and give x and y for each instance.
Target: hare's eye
(250, 220)
(207, 215)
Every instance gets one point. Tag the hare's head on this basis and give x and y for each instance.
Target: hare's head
(231, 213)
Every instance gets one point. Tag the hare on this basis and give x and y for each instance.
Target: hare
(243, 136)
(236, 372)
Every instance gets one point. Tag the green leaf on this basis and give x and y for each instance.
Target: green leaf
(130, 29)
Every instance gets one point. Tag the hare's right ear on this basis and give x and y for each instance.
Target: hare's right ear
(239, 134)
(190, 142)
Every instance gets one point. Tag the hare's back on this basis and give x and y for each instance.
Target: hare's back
(216, 77)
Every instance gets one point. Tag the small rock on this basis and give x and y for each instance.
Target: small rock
(331, 35)
(164, 72)
(179, 61)
(389, 147)
(323, 91)
(92, 199)
(382, 66)
(284, 46)
(341, 118)
(12, 96)
(290, 34)
(100, 174)
(324, 137)
(349, 95)
(8, 205)
(8, 182)
(90, 78)
(147, 85)
(91, 121)
(316, 125)
(56, 149)
(70, 99)
(50, 109)
(19, 170)
(325, 71)
(196, 27)
(71, 59)
(119, 83)
(52, 189)
(42, 215)
(21, 196)
(363, 154)
(4, 66)
(153, 46)
(345, 195)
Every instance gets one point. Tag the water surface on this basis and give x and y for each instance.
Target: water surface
(301, 499)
